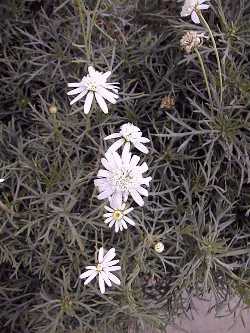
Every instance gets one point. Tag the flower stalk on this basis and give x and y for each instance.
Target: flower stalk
(215, 50)
(204, 74)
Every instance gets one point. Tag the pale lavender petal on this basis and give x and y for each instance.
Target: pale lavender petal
(108, 95)
(103, 173)
(105, 194)
(106, 75)
(77, 98)
(91, 71)
(111, 263)
(101, 102)
(144, 140)
(101, 284)
(136, 196)
(127, 211)
(113, 268)
(86, 274)
(109, 209)
(109, 255)
(90, 278)
(106, 279)
(93, 268)
(113, 136)
(88, 102)
(141, 147)
(111, 223)
(113, 278)
(195, 17)
(109, 219)
(201, 7)
(142, 190)
(116, 145)
(116, 199)
(76, 91)
(107, 214)
(100, 255)
(128, 220)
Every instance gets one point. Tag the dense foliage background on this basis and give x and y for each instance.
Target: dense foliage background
(50, 220)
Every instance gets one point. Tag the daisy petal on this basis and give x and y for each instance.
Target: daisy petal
(113, 268)
(101, 284)
(195, 17)
(109, 96)
(136, 196)
(128, 220)
(109, 255)
(141, 147)
(203, 6)
(101, 102)
(77, 98)
(88, 102)
(111, 263)
(106, 279)
(90, 278)
(86, 274)
(100, 255)
(93, 268)
(113, 278)
(109, 209)
(91, 71)
(106, 75)
(127, 211)
(116, 145)
(109, 219)
(76, 91)
(113, 136)
(75, 85)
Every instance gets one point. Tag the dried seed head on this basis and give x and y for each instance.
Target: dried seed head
(191, 40)
(167, 102)
(52, 109)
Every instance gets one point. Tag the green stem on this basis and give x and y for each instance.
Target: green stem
(84, 22)
(204, 75)
(215, 50)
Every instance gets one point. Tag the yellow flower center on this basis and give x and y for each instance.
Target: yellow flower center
(92, 87)
(99, 267)
(117, 215)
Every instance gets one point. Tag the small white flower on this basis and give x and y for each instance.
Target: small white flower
(94, 84)
(103, 270)
(191, 6)
(159, 247)
(2, 180)
(123, 176)
(116, 216)
(128, 134)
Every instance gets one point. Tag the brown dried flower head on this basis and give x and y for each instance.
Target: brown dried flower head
(191, 40)
(167, 102)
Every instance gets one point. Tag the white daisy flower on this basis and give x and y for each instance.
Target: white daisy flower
(191, 6)
(103, 270)
(94, 84)
(2, 180)
(123, 176)
(116, 216)
(128, 134)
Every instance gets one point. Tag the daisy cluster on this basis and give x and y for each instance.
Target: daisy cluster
(122, 174)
